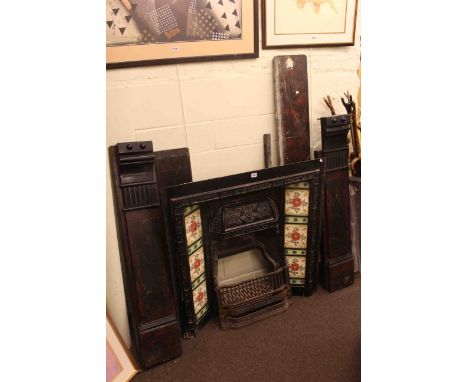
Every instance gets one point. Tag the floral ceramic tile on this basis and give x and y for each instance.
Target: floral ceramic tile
(296, 219)
(187, 210)
(297, 202)
(299, 185)
(296, 281)
(195, 247)
(193, 228)
(201, 313)
(200, 298)
(297, 266)
(295, 236)
(197, 264)
(295, 252)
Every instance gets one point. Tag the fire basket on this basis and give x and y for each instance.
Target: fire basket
(249, 301)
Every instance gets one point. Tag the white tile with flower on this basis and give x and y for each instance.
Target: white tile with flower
(193, 228)
(297, 202)
(197, 264)
(295, 236)
(297, 266)
(200, 298)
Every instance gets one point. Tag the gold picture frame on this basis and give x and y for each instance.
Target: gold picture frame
(149, 32)
(120, 365)
(308, 23)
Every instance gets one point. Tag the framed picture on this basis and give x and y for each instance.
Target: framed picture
(305, 23)
(149, 32)
(120, 366)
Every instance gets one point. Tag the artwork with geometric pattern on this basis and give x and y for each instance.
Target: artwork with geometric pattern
(136, 22)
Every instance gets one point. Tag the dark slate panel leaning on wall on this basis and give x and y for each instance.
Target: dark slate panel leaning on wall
(292, 108)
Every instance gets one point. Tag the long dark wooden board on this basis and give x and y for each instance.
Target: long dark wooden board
(337, 268)
(292, 108)
(136, 180)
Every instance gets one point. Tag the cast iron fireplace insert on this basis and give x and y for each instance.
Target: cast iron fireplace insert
(276, 211)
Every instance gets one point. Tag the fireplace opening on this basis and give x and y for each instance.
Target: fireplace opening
(250, 275)
(242, 266)
(249, 283)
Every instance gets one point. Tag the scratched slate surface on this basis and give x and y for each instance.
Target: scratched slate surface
(292, 108)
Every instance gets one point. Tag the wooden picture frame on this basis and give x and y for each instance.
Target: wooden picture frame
(308, 23)
(120, 366)
(154, 32)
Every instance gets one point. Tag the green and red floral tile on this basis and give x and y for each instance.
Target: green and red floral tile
(193, 227)
(196, 259)
(297, 266)
(297, 202)
(197, 264)
(296, 211)
(200, 297)
(295, 236)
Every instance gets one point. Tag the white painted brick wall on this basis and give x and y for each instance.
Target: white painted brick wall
(220, 111)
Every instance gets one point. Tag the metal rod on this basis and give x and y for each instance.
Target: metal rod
(267, 150)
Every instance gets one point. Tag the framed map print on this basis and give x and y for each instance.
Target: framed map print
(149, 32)
(303, 23)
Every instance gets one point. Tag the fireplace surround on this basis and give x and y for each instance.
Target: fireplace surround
(138, 175)
(276, 212)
